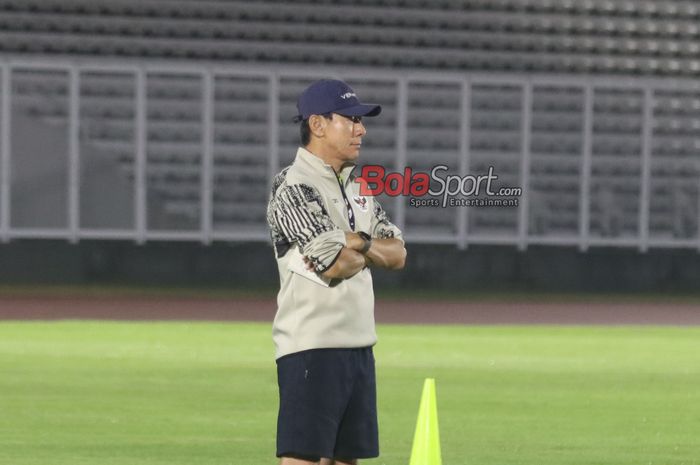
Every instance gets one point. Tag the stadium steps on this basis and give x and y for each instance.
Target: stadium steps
(655, 38)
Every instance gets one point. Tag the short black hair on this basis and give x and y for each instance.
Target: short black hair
(305, 130)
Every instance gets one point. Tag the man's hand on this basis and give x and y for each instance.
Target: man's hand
(387, 253)
(354, 241)
(384, 253)
(309, 264)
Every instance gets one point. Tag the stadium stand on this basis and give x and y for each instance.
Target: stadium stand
(574, 171)
(595, 36)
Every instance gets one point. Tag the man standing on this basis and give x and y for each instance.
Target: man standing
(326, 235)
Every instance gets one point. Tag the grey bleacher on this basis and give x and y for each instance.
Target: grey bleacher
(241, 147)
(495, 140)
(174, 134)
(675, 167)
(555, 146)
(560, 36)
(626, 37)
(173, 152)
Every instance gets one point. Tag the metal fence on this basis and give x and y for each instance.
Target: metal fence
(99, 150)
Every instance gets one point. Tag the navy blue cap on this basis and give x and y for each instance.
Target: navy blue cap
(332, 96)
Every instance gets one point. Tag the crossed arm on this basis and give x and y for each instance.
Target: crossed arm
(384, 253)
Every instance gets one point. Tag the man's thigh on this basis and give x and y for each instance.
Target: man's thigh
(327, 405)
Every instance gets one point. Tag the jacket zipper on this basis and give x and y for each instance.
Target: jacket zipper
(351, 214)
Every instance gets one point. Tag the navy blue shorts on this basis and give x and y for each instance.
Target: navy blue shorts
(328, 405)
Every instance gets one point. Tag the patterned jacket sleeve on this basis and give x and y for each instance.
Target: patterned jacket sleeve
(382, 228)
(297, 214)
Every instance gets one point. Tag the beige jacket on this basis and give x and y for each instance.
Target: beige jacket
(308, 213)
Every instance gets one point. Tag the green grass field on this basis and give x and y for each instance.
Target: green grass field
(177, 393)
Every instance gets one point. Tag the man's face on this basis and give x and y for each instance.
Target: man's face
(343, 137)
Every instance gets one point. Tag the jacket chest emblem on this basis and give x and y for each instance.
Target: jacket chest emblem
(361, 202)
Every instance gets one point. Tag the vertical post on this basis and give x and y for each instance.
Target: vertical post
(140, 158)
(74, 154)
(646, 169)
(464, 160)
(273, 128)
(585, 192)
(5, 167)
(207, 173)
(525, 163)
(401, 155)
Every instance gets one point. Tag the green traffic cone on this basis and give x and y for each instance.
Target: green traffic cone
(426, 441)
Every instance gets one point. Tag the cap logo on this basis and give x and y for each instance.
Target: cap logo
(347, 95)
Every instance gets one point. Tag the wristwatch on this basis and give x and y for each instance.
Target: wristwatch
(368, 242)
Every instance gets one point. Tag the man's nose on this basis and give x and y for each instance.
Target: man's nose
(360, 129)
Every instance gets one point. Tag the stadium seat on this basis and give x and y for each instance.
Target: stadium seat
(553, 37)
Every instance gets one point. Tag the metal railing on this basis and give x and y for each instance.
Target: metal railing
(18, 220)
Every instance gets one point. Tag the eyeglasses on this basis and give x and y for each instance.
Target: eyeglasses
(354, 119)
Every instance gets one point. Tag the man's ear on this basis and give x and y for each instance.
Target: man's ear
(317, 125)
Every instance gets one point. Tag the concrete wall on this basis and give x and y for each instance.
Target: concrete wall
(246, 265)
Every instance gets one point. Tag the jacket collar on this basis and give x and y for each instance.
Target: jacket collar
(313, 163)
